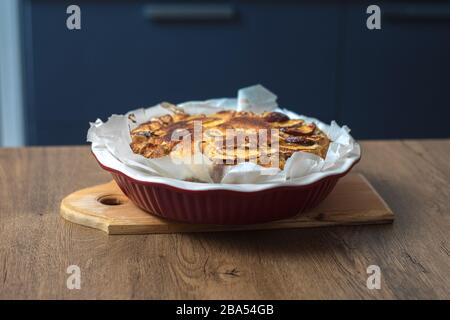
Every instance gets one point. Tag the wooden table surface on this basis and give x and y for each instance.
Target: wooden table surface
(37, 245)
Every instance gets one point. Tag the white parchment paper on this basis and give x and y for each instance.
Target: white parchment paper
(111, 145)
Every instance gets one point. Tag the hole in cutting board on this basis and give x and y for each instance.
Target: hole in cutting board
(112, 200)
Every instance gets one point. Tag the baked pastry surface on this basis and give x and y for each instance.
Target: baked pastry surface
(229, 137)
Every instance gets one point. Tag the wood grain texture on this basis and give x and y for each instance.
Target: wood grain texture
(104, 207)
(36, 245)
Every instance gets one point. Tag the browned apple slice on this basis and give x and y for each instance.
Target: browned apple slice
(287, 124)
(300, 141)
(211, 122)
(300, 131)
(146, 134)
(275, 117)
(166, 119)
(152, 126)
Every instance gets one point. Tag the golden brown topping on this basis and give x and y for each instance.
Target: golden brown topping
(229, 137)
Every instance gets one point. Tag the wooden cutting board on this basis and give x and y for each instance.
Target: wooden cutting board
(105, 207)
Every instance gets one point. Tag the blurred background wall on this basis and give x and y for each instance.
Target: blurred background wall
(319, 58)
(12, 131)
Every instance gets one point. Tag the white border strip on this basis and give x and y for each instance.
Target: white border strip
(11, 89)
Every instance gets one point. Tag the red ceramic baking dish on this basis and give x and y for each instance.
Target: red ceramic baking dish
(221, 206)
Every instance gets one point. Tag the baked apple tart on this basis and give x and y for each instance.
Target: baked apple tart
(229, 137)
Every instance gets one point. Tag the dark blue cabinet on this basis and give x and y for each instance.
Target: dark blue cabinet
(121, 60)
(395, 82)
(320, 59)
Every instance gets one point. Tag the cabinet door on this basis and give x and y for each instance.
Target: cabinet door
(396, 81)
(122, 59)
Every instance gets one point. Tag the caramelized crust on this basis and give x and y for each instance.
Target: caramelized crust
(221, 142)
